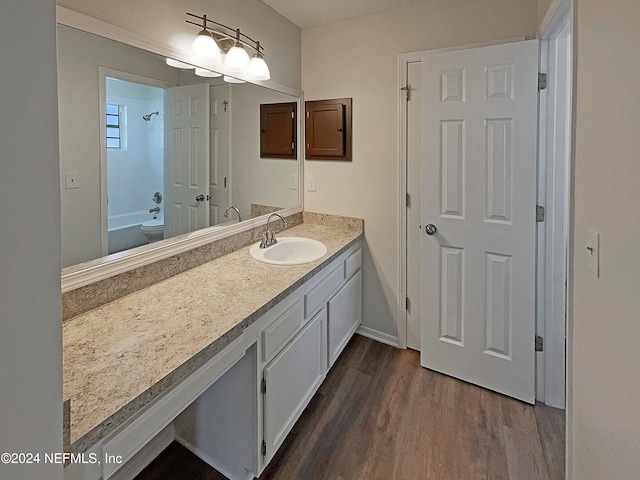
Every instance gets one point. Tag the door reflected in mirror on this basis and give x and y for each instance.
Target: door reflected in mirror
(156, 152)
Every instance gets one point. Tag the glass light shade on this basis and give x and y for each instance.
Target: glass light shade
(237, 59)
(205, 49)
(229, 79)
(178, 64)
(203, 72)
(259, 69)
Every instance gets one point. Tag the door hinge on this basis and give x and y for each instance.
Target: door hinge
(539, 213)
(408, 201)
(542, 81)
(263, 386)
(407, 303)
(293, 146)
(407, 89)
(539, 343)
(263, 448)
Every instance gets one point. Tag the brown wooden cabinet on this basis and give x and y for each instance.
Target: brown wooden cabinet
(328, 129)
(278, 131)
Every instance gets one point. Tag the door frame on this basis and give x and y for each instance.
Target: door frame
(553, 245)
(559, 11)
(103, 74)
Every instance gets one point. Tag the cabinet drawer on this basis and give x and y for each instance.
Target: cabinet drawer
(281, 330)
(352, 263)
(319, 294)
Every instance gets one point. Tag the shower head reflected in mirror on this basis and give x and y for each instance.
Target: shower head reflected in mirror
(147, 117)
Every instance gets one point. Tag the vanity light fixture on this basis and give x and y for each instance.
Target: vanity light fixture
(259, 68)
(203, 72)
(205, 50)
(229, 79)
(216, 39)
(178, 64)
(237, 57)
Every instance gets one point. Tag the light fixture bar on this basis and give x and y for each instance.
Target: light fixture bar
(235, 34)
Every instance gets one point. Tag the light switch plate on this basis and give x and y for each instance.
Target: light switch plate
(293, 181)
(310, 181)
(593, 252)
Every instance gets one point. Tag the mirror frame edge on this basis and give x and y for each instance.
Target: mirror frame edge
(110, 266)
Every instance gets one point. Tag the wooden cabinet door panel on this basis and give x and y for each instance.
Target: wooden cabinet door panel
(328, 129)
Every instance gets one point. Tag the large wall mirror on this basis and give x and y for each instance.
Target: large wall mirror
(129, 186)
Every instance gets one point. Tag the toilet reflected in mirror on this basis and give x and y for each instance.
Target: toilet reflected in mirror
(153, 229)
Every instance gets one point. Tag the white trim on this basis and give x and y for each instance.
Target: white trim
(564, 11)
(117, 263)
(554, 160)
(378, 336)
(554, 15)
(403, 79)
(146, 455)
(108, 266)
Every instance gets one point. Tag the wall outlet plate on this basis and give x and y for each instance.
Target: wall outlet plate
(593, 252)
(293, 181)
(310, 181)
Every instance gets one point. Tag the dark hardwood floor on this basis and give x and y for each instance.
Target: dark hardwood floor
(379, 415)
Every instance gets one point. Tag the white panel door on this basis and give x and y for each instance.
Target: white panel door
(219, 181)
(479, 120)
(187, 165)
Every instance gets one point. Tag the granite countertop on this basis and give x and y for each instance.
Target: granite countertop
(119, 357)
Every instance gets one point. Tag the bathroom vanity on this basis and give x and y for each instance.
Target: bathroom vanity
(223, 358)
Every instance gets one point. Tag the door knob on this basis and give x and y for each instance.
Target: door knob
(200, 198)
(430, 229)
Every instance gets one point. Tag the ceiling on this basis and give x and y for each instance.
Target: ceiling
(308, 13)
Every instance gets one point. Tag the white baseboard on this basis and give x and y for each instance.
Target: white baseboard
(378, 336)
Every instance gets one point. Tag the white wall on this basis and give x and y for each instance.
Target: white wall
(543, 7)
(359, 58)
(264, 181)
(30, 311)
(164, 22)
(605, 359)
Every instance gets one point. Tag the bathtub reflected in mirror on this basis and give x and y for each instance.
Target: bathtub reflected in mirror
(122, 112)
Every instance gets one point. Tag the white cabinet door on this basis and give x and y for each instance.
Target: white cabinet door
(345, 312)
(292, 378)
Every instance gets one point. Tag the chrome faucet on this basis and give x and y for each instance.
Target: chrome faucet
(269, 235)
(226, 212)
(154, 210)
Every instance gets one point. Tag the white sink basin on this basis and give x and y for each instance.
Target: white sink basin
(290, 251)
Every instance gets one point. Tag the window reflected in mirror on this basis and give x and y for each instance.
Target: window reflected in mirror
(133, 130)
